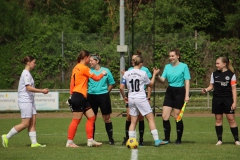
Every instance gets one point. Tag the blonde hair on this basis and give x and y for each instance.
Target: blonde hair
(228, 63)
(137, 60)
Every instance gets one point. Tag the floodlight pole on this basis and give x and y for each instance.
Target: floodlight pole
(122, 36)
(122, 48)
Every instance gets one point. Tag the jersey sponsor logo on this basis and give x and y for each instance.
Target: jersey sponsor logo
(224, 83)
(216, 76)
(227, 78)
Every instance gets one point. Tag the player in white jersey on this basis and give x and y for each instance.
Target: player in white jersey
(26, 90)
(135, 80)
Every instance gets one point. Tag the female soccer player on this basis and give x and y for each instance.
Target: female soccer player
(141, 126)
(79, 105)
(26, 90)
(98, 95)
(223, 80)
(135, 80)
(178, 76)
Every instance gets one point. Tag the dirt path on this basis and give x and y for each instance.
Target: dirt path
(69, 115)
(115, 114)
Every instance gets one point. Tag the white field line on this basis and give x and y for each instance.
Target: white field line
(134, 152)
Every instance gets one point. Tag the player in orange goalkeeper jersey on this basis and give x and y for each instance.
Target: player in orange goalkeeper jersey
(78, 102)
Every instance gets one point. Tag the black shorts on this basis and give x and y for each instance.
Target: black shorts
(174, 97)
(100, 100)
(222, 105)
(79, 103)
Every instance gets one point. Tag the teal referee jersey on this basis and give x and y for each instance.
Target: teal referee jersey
(176, 75)
(100, 87)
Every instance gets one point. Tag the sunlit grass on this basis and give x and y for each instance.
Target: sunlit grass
(199, 140)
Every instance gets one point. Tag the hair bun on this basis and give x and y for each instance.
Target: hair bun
(139, 53)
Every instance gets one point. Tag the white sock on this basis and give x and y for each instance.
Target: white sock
(132, 134)
(155, 134)
(69, 141)
(33, 137)
(11, 133)
(90, 139)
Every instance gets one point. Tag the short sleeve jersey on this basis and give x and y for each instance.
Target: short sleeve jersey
(176, 75)
(135, 80)
(222, 82)
(144, 69)
(79, 79)
(149, 74)
(100, 87)
(24, 95)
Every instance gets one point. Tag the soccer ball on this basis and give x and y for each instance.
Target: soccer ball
(132, 143)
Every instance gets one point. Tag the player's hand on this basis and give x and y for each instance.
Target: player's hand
(234, 106)
(149, 101)
(45, 91)
(104, 72)
(125, 99)
(156, 71)
(204, 91)
(122, 72)
(186, 99)
(69, 101)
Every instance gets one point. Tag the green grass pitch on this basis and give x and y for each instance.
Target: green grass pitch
(198, 141)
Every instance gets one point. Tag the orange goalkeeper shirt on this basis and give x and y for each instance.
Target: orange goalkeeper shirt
(79, 79)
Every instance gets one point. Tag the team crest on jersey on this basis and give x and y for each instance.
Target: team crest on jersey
(227, 78)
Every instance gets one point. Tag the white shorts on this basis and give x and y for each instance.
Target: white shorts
(137, 105)
(27, 109)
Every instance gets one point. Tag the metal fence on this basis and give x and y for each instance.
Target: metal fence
(197, 100)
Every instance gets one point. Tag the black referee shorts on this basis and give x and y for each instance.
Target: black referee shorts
(102, 101)
(174, 97)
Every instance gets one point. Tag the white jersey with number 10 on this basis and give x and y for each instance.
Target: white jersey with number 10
(135, 80)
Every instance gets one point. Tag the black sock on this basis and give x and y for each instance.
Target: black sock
(109, 130)
(180, 127)
(141, 129)
(235, 133)
(167, 129)
(219, 131)
(127, 125)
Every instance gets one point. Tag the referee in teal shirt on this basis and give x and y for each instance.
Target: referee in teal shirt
(178, 77)
(98, 94)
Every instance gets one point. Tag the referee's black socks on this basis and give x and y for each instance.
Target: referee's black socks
(167, 129)
(179, 127)
(109, 130)
(219, 131)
